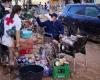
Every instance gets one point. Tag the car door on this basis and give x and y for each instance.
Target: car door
(63, 16)
(75, 17)
(76, 13)
(92, 22)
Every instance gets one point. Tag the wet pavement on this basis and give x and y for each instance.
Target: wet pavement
(93, 65)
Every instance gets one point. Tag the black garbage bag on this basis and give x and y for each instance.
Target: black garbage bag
(31, 72)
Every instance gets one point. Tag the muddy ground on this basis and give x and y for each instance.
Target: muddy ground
(93, 65)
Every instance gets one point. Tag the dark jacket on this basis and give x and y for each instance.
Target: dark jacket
(2, 11)
(54, 28)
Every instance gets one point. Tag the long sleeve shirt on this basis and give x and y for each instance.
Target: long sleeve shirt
(54, 28)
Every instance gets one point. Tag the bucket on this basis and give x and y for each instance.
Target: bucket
(26, 34)
(26, 51)
(31, 72)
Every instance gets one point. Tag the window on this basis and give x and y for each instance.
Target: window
(65, 9)
(92, 11)
(77, 10)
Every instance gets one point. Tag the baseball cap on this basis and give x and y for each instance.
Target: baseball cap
(53, 14)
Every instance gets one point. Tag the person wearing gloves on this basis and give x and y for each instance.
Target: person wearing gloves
(12, 20)
(53, 26)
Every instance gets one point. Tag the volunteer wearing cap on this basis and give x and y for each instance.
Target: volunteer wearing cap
(53, 26)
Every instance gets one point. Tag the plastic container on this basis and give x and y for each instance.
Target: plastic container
(31, 72)
(62, 71)
(26, 51)
(26, 34)
(47, 71)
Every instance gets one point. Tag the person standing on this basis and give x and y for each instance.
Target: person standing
(48, 6)
(45, 6)
(40, 4)
(4, 4)
(10, 21)
(2, 11)
(53, 27)
(7, 4)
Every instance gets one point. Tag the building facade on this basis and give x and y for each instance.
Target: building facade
(97, 1)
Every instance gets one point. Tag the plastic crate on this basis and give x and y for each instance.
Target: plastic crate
(62, 71)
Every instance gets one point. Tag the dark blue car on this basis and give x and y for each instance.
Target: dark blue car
(84, 18)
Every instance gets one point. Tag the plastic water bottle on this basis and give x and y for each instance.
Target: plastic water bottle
(43, 54)
(46, 71)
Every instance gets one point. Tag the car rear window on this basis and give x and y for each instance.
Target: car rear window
(77, 10)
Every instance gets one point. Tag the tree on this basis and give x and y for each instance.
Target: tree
(16, 2)
(24, 3)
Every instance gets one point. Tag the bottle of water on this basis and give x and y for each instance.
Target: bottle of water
(46, 71)
(43, 54)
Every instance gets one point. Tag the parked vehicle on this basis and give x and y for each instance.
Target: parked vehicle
(82, 17)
